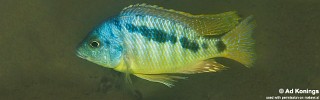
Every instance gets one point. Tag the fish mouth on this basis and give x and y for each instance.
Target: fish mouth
(79, 54)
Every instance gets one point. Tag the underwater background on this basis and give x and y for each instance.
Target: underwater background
(38, 39)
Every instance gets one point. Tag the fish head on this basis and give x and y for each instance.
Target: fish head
(102, 46)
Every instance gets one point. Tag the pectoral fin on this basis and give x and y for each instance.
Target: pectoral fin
(209, 65)
(167, 80)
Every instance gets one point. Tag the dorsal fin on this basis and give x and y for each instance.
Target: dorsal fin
(204, 24)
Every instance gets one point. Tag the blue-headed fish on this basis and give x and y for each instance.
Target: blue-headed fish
(153, 43)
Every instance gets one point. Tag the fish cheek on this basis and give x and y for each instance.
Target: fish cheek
(115, 54)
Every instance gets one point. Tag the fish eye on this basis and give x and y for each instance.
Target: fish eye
(94, 44)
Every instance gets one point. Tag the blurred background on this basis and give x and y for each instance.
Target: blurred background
(38, 62)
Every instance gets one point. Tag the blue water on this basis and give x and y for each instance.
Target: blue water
(38, 62)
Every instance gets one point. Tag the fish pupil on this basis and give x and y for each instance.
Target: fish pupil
(94, 44)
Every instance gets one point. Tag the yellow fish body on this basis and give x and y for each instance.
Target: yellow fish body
(151, 42)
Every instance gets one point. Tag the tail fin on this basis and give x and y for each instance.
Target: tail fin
(240, 43)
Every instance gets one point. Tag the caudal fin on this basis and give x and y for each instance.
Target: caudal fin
(240, 45)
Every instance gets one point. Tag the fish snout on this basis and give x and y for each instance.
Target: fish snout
(79, 54)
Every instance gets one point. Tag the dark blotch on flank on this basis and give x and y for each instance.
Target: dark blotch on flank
(191, 45)
(220, 46)
(205, 46)
(117, 23)
(107, 42)
(152, 34)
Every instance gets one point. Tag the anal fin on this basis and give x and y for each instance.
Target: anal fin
(209, 65)
(167, 80)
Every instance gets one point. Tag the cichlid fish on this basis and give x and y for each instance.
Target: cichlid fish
(153, 43)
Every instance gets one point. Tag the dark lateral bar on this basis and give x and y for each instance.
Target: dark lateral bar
(152, 34)
(191, 45)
